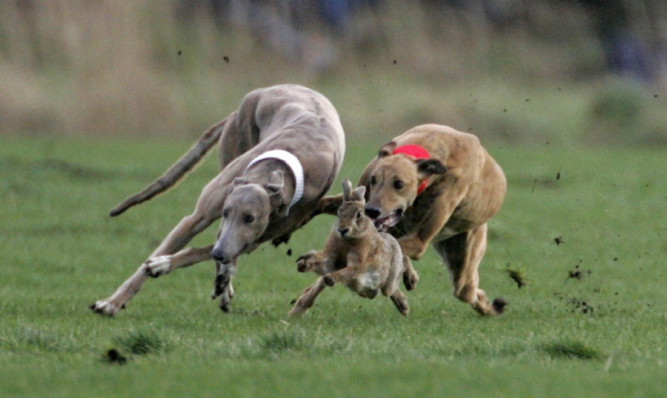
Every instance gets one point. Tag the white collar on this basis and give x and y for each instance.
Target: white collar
(294, 165)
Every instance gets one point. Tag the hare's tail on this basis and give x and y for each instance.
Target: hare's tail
(176, 171)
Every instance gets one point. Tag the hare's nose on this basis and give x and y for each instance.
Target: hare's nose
(343, 231)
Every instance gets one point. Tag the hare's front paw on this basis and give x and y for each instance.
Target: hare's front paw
(302, 264)
(329, 280)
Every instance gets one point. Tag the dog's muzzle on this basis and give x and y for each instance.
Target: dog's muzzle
(219, 256)
(382, 224)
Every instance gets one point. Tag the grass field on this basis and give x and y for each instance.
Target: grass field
(585, 227)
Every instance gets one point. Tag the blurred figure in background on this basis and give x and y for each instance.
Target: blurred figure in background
(305, 30)
(627, 54)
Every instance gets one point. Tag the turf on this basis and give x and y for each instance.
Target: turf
(578, 250)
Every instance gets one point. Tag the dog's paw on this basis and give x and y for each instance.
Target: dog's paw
(226, 299)
(104, 307)
(329, 280)
(157, 266)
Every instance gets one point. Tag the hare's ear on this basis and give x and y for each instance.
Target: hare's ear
(347, 190)
(387, 149)
(358, 194)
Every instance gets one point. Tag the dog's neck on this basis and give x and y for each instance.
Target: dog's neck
(289, 162)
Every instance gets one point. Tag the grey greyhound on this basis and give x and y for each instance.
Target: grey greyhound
(280, 152)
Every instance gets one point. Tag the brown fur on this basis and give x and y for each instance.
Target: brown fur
(252, 201)
(357, 255)
(465, 188)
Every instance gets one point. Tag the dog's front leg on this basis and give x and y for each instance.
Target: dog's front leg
(414, 244)
(222, 286)
(161, 265)
(328, 205)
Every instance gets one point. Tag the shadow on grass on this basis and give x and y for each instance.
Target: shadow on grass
(142, 342)
(570, 350)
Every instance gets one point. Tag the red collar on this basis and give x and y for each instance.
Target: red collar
(417, 152)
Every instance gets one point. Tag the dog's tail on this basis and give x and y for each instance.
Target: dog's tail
(176, 171)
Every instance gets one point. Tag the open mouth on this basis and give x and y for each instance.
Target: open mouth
(384, 223)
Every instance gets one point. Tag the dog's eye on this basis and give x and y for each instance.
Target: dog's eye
(225, 213)
(248, 218)
(398, 184)
(373, 180)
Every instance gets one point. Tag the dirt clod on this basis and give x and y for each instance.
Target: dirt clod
(114, 356)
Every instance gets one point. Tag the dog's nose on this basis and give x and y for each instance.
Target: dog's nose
(372, 212)
(343, 231)
(218, 255)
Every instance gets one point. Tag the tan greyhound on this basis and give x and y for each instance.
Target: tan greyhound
(434, 184)
(279, 154)
(363, 259)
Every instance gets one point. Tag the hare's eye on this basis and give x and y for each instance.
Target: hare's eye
(248, 218)
(373, 180)
(398, 184)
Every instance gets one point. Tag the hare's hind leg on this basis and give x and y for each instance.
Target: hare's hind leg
(391, 287)
(307, 298)
(401, 302)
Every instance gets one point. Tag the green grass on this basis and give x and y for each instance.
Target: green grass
(590, 322)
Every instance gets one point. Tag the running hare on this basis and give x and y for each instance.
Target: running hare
(357, 255)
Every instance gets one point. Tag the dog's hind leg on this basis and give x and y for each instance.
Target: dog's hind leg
(307, 298)
(410, 275)
(463, 254)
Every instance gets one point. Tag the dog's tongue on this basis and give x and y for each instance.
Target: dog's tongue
(383, 224)
(379, 224)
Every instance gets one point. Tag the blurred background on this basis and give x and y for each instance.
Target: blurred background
(515, 71)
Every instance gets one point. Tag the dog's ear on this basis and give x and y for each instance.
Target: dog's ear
(347, 190)
(387, 149)
(276, 193)
(358, 194)
(240, 181)
(429, 167)
(276, 182)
